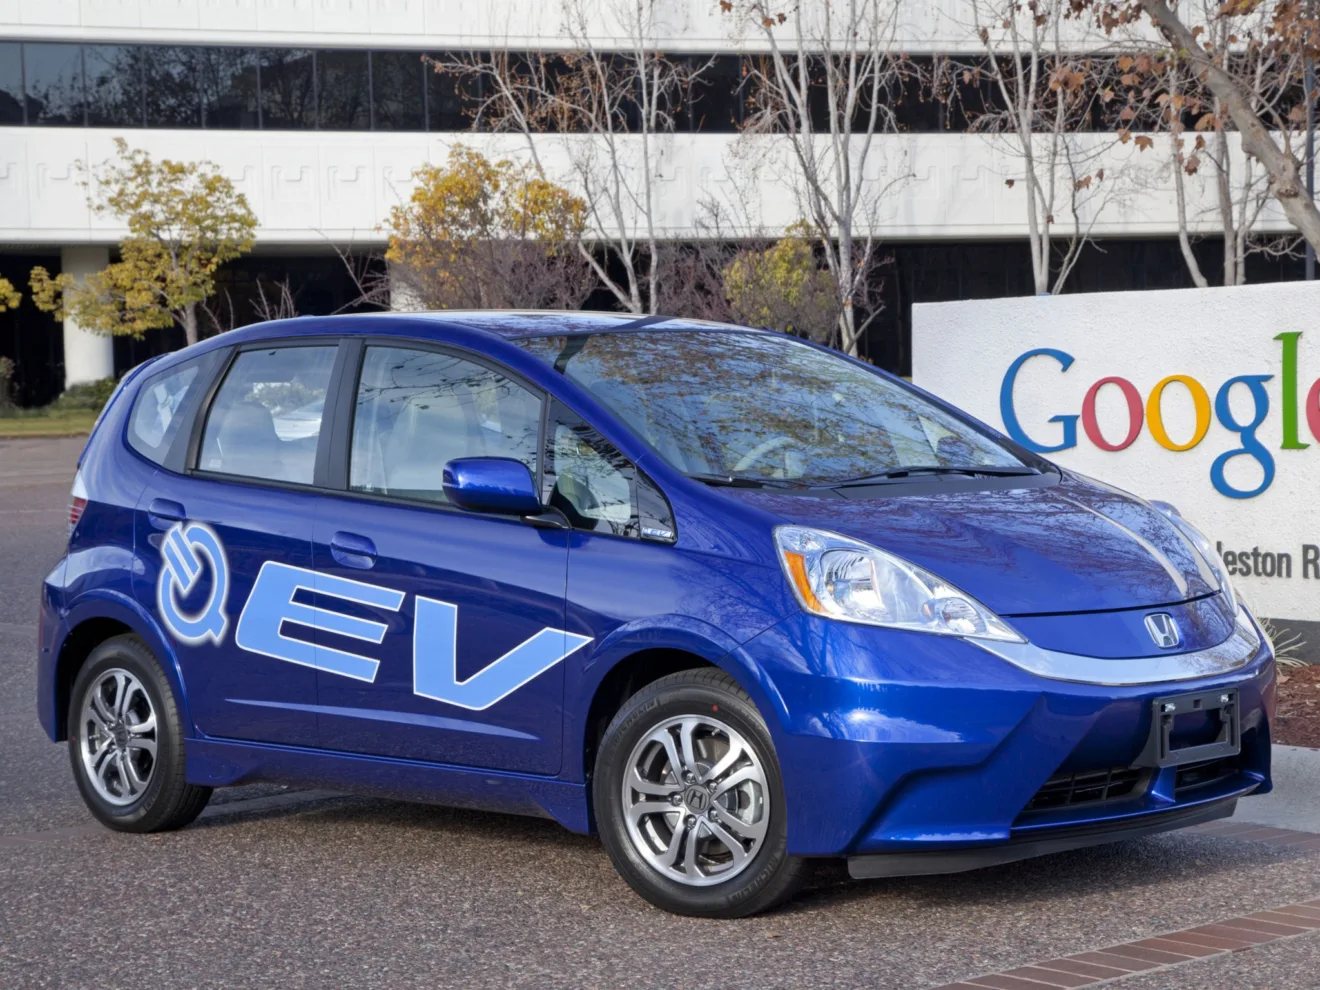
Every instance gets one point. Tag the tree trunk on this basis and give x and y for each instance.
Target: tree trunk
(189, 320)
(1281, 168)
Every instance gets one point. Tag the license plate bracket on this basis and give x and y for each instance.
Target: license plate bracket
(1221, 704)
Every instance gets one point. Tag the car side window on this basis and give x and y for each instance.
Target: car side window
(589, 480)
(265, 420)
(159, 407)
(417, 410)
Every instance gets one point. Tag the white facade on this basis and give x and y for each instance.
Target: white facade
(316, 188)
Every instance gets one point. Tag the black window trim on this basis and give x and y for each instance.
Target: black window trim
(345, 414)
(204, 411)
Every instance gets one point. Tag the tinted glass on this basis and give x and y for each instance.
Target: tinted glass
(114, 85)
(397, 85)
(765, 406)
(156, 412)
(344, 90)
(173, 87)
(266, 418)
(288, 89)
(228, 78)
(445, 101)
(587, 478)
(54, 78)
(418, 410)
(11, 82)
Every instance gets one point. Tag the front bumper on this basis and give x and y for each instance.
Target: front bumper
(1030, 845)
(901, 744)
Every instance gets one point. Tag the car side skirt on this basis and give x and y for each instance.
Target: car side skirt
(221, 763)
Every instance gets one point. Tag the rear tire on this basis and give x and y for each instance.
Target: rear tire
(126, 741)
(706, 837)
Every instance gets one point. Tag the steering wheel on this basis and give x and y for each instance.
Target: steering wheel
(761, 450)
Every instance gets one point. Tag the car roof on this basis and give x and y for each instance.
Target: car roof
(507, 324)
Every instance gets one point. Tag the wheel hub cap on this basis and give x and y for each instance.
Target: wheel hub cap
(697, 799)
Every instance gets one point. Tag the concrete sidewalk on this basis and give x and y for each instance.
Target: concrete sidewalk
(1295, 801)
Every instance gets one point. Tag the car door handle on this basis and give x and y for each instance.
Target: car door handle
(163, 512)
(352, 550)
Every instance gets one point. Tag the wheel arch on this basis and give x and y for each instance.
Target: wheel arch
(91, 621)
(631, 662)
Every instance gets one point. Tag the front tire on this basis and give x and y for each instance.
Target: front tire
(689, 800)
(126, 741)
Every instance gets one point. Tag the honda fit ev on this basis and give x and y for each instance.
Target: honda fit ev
(727, 599)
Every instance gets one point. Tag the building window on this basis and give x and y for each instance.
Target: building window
(114, 85)
(343, 83)
(228, 78)
(11, 83)
(173, 87)
(398, 81)
(53, 76)
(446, 99)
(287, 80)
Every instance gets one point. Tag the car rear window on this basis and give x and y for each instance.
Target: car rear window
(158, 409)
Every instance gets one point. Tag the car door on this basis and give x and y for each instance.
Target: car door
(243, 497)
(467, 670)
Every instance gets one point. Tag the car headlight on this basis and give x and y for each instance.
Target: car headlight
(840, 578)
(1207, 551)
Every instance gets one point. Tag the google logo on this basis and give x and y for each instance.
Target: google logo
(1149, 413)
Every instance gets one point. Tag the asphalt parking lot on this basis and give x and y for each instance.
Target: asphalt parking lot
(277, 888)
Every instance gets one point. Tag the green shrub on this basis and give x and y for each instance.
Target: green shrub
(87, 395)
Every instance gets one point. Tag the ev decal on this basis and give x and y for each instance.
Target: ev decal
(272, 603)
(435, 659)
(180, 571)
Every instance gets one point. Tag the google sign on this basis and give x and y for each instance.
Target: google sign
(1148, 413)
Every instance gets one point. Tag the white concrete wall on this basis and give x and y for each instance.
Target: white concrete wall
(961, 351)
(315, 188)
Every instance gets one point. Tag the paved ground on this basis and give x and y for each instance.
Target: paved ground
(348, 892)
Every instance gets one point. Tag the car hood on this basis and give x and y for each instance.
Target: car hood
(1074, 546)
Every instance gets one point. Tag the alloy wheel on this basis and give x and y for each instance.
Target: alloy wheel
(117, 741)
(695, 800)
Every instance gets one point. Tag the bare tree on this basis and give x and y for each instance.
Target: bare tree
(825, 87)
(1203, 141)
(1211, 41)
(270, 301)
(1038, 95)
(609, 112)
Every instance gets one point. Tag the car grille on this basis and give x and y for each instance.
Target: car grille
(1066, 790)
(1193, 775)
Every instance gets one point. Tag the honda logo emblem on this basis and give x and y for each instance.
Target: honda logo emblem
(1163, 630)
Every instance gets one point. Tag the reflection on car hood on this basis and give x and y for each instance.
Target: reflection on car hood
(1072, 547)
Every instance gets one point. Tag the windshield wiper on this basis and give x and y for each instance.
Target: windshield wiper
(900, 473)
(741, 481)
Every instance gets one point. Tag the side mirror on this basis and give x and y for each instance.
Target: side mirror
(491, 484)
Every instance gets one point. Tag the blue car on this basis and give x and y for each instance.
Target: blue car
(732, 601)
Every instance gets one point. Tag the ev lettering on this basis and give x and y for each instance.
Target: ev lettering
(273, 603)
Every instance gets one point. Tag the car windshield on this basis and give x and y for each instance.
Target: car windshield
(729, 405)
